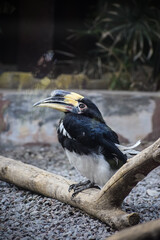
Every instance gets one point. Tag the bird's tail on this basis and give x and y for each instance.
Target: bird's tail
(129, 151)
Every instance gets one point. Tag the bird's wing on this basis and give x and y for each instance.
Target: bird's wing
(107, 140)
(98, 137)
(112, 154)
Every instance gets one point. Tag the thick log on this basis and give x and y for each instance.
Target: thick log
(149, 230)
(103, 204)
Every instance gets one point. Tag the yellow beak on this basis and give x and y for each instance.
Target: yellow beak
(61, 100)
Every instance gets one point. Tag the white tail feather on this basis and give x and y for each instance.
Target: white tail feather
(129, 151)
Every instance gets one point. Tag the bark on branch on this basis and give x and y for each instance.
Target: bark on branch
(149, 230)
(105, 204)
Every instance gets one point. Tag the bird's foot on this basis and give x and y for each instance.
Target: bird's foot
(81, 186)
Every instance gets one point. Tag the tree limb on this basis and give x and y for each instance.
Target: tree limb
(129, 175)
(105, 204)
(149, 230)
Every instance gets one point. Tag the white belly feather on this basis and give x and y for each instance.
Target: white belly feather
(94, 167)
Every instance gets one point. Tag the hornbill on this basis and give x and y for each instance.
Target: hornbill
(91, 146)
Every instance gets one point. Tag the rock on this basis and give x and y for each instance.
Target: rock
(153, 193)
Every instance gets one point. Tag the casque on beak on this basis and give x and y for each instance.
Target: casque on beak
(61, 100)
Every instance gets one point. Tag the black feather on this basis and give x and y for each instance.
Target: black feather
(89, 136)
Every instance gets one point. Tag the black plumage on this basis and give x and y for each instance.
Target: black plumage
(88, 135)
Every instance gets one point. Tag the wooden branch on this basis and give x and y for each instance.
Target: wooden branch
(149, 230)
(129, 175)
(103, 204)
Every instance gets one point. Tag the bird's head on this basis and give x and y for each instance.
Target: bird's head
(70, 102)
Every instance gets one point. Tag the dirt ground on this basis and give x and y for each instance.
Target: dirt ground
(26, 215)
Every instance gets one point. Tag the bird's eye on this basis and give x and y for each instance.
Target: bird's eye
(82, 105)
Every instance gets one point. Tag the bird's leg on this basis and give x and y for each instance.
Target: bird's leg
(78, 187)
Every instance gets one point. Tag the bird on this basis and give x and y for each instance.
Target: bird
(91, 146)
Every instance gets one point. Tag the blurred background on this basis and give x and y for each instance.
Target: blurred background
(90, 46)
(114, 41)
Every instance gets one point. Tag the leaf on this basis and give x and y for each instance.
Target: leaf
(116, 5)
(106, 34)
(107, 20)
(113, 12)
(150, 53)
(138, 55)
(65, 53)
(102, 46)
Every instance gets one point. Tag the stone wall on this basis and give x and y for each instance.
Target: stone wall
(133, 115)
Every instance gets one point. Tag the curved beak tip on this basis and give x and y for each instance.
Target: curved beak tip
(36, 104)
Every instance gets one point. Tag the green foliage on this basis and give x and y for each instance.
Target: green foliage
(125, 34)
(6, 7)
(132, 27)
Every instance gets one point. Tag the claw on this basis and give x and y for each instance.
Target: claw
(71, 187)
(81, 186)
